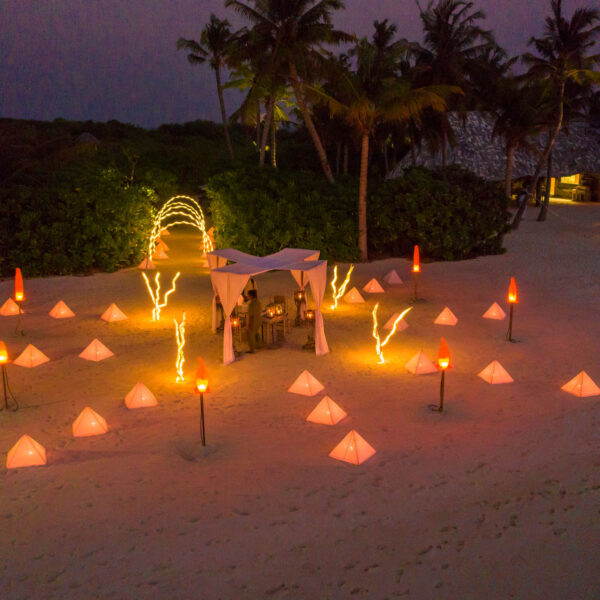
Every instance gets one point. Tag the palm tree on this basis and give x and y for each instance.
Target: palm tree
(561, 58)
(214, 46)
(373, 95)
(453, 41)
(295, 29)
(520, 115)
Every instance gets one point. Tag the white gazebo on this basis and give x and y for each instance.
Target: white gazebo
(229, 281)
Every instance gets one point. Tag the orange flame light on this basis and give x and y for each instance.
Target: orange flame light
(512, 291)
(337, 294)
(444, 359)
(155, 295)
(3, 354)
(201, 378)
(378, 343)
(416, 260)
(19, 294)
(180, 336)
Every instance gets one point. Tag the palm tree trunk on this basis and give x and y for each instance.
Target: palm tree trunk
(510, 161)
(266, 130)
(544, 158)
(274, 144)
(297, 86)
(546, 204)
(338, 157)
(362, 198)
(223, 113)
(346, 158)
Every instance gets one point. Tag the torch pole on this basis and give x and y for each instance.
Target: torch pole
(19, 327)
(202, 429)
(8, 395)
(510, 322)
(442, 381)
(415, 278)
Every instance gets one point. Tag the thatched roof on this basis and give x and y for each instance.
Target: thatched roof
(475, 150)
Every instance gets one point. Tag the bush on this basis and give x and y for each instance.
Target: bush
(261, 211)
(450, 217)
(82, 219)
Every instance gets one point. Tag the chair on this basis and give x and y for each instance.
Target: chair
(285, 320)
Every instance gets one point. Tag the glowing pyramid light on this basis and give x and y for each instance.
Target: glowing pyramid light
(495, 373)
(353, 449)
(582, 385)
(140, 397)
(373, 287)
(494, 312)
(446, 317)
(392, 278)
(147, 264)
(164, 232)
(160, 254)
(306, 385)
(96, 351)
(113, 313)
(401, 326)
(26, 453)
(327, 412)
(161, 243)
(61, 311)
(31, 357)
(88, 423)
(353, 297)
(9, 308)
(420, 364)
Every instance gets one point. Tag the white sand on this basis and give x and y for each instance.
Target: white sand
(497, 498)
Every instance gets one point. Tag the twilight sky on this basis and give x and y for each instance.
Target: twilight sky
(116, 59)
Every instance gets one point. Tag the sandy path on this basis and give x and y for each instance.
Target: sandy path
(497, 498)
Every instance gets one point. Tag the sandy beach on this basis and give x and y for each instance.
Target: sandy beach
(496, 498)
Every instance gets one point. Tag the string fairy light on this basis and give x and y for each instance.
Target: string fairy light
(180, 336)
(337, 294)
(155, 294)
(378, 343)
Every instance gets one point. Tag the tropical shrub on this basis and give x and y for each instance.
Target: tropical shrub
(82, 219)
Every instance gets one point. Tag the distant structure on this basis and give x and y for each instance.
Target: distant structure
(87, 139)
(575, 156)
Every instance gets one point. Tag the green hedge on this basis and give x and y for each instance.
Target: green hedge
(261, 211)
(451, 217)
(452, 214)
(82, 219)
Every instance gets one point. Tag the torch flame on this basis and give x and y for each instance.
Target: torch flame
(180, 336)
(378, 343)
(337, 294)
(156, 295)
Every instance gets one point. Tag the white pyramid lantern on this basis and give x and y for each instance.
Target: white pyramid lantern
(30, 357)
(420, 364)
(327, 412)
(373, 287)
(26, 453)
(10, 308)
(306, 385)
(353, 449)
(446, 317)
(140, 397)
(113, 313)
(89, 423)
(161, 243)
(494, 312)
(164, 232)
(61, 311)
(402, 324)
(96, 351)
(495, 373)
(147, 264)
(353, 297)
(392, 278)
(582, 385)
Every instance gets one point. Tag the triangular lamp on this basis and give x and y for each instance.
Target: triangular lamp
(89, 423)
(446, 317)
(582, 385)
(26, 453)
(353, 297)
(140, 397)
(327, 412)
(420, 364)
(113, 313)
(96, 351)
(494, 312)
(495, 373)
(31, 357)
(306, 385)
(61, 311)
(373, 287)
(353, 449)
(392, 278)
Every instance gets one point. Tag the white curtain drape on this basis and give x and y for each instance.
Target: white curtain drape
(214, 262)
(229, 286)
(317, 278)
